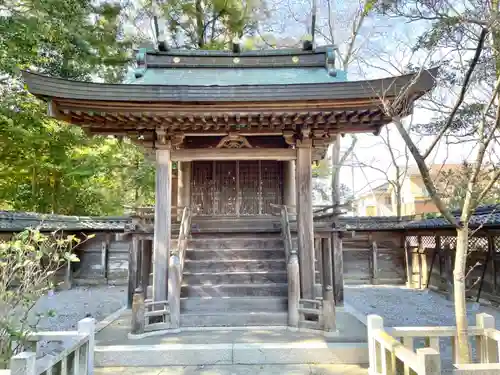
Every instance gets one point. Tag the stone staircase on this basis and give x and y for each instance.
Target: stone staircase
(234, 277)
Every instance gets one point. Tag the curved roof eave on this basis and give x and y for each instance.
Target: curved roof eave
(414, 84)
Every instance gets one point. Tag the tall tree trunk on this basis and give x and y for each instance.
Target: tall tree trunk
(398, 200)
(200, 27)
(459, 294)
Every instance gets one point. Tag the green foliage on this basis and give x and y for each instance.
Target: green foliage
(64, 38)
(45, 165)
(212, 24)
(50, 167)
(452, 186)
(28, 264)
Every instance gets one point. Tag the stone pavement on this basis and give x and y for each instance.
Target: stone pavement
(237, 370)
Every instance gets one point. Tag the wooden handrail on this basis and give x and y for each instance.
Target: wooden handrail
(176, 267)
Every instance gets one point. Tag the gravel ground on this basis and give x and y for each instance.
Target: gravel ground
(399, 306)
(70, 306)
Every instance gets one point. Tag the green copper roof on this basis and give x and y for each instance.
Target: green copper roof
(233, 76)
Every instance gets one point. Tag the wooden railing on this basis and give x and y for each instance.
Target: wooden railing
(391, 350)
(76, 357)
(292, 267)
(176, 267)
(151, 315)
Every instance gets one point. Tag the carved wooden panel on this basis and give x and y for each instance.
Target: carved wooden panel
(236, 188)
(225, 188)
(202, 186)
(271, 181)
(249, 187)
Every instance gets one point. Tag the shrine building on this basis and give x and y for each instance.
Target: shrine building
(238, 243)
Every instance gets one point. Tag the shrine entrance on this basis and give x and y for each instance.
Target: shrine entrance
(236, 187)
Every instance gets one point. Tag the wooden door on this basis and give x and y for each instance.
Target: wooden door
(226, 188)
(236, 187)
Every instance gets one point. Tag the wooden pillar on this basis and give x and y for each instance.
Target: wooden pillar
(133, 267)
(338, 268)
(184, 184)
(163, 222)
(305, 235)
(289, 185)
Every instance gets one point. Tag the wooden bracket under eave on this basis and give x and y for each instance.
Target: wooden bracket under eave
(54, 111)
(378, 129)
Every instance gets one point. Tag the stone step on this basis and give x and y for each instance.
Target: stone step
(249, 265)
(235, 290)
(233, 304)
(262, 353)
(234, 319)
(216, 278)
(234, 254)
(214, 225)
(234, 242)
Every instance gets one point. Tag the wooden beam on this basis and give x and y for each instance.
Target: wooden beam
(234, 154)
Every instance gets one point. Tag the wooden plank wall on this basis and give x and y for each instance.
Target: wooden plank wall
(374, 258)
(103, 259)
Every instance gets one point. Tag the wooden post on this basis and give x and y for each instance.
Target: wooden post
(448, 270)
(338, 269)
(430, 361)
(68, 276)
(292, 269)
(133, 268)
(487, 349)
(374, 262)
(138, 312)
(419, 258)
(105, 255)
(327, 283)
(146, 264)
(174, 294)
(305, 229)
(289, 185)
(87, 327)
(162, 225)
(23, 364)
(408, 261)
(494, 265)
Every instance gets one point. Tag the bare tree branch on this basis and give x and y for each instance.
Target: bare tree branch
(461, 97)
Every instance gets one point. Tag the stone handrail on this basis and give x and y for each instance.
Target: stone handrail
(76, 357)
(391, 350)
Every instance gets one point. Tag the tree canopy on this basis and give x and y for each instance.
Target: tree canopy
(51, 167)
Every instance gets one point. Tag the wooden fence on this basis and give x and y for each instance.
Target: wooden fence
(431, 258)
(76, 357)
(391, 350)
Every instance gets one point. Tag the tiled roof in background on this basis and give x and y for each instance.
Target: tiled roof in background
(17, 221)
(487, 216)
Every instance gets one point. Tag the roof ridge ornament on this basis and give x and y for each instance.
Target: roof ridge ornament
(330, 61)
(140, 59)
